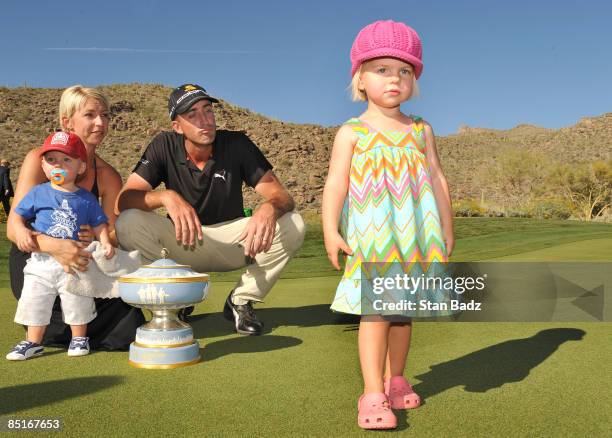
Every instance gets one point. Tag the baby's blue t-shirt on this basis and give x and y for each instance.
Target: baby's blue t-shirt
(60, 214)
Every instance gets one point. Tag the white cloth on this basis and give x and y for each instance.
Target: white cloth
(43, 280)
(100, 279)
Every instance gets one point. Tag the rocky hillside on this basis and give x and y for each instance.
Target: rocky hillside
(298, 152)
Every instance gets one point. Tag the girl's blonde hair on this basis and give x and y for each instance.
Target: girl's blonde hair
(359, 95)
(75, 97)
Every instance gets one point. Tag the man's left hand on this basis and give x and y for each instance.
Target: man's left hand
(258, 234)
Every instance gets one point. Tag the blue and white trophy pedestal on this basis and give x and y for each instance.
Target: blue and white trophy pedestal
(164, 287)
(170, 348)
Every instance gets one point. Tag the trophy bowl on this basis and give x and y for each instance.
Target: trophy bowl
(164, 287)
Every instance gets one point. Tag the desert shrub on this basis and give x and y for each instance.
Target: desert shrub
(516, 212)
(515, 174)
(468, 208)
(554, 208)
(587, 188)
(494, 211)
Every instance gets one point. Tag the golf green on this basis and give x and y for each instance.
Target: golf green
(302, 377)
(583, 250)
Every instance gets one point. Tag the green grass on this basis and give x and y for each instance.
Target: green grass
(477, 239)
(583, 250)
(302, 377)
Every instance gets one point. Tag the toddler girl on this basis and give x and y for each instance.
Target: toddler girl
(386, 182)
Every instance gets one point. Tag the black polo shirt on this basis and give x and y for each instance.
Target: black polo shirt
(215, 192)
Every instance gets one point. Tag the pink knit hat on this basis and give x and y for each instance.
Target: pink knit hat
(387, 38)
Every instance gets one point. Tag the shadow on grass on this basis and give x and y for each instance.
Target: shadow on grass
(212, 325)
(247, 344)
(23, 397)
(494, 366)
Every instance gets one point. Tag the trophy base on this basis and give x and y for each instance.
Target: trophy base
(163, 338)
(164, 357)
(164, 342)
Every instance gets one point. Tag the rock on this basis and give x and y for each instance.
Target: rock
(122, 106)
(314, 179)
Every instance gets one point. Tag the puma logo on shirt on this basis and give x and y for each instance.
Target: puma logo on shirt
(220, 174)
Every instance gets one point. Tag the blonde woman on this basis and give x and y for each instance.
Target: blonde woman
(86, 112)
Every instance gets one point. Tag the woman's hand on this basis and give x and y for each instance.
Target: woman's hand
(68, 253)
(86, 234)
(334, 243)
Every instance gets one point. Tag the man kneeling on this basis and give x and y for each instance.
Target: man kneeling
(203, 170)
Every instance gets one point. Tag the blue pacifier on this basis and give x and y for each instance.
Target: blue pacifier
(58, 176)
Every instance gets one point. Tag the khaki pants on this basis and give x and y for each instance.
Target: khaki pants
(219, 251)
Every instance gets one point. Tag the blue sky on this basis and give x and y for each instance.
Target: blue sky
(487, 63)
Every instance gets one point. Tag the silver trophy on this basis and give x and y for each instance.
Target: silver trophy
(164, 287)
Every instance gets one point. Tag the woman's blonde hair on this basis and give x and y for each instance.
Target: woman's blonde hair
(75, 97)
(359, 95)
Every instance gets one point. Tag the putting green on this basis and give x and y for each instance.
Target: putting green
(302, 378)
(584, 250)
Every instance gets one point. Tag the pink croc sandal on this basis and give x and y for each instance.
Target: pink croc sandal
(374, 412)
(400, 393)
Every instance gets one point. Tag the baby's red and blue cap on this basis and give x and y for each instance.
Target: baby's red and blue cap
(66, 142)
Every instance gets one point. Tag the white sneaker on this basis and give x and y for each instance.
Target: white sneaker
(79, 346)
(25, 350)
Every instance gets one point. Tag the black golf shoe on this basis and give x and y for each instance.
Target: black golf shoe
(243, 315)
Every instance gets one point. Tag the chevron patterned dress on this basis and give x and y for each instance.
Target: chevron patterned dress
(390, 218)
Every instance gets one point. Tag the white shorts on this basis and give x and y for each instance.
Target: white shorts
(44, 279)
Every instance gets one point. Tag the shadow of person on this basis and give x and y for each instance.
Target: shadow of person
(212, 325)
(247, 344)
(494, 366)
(23, 397)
